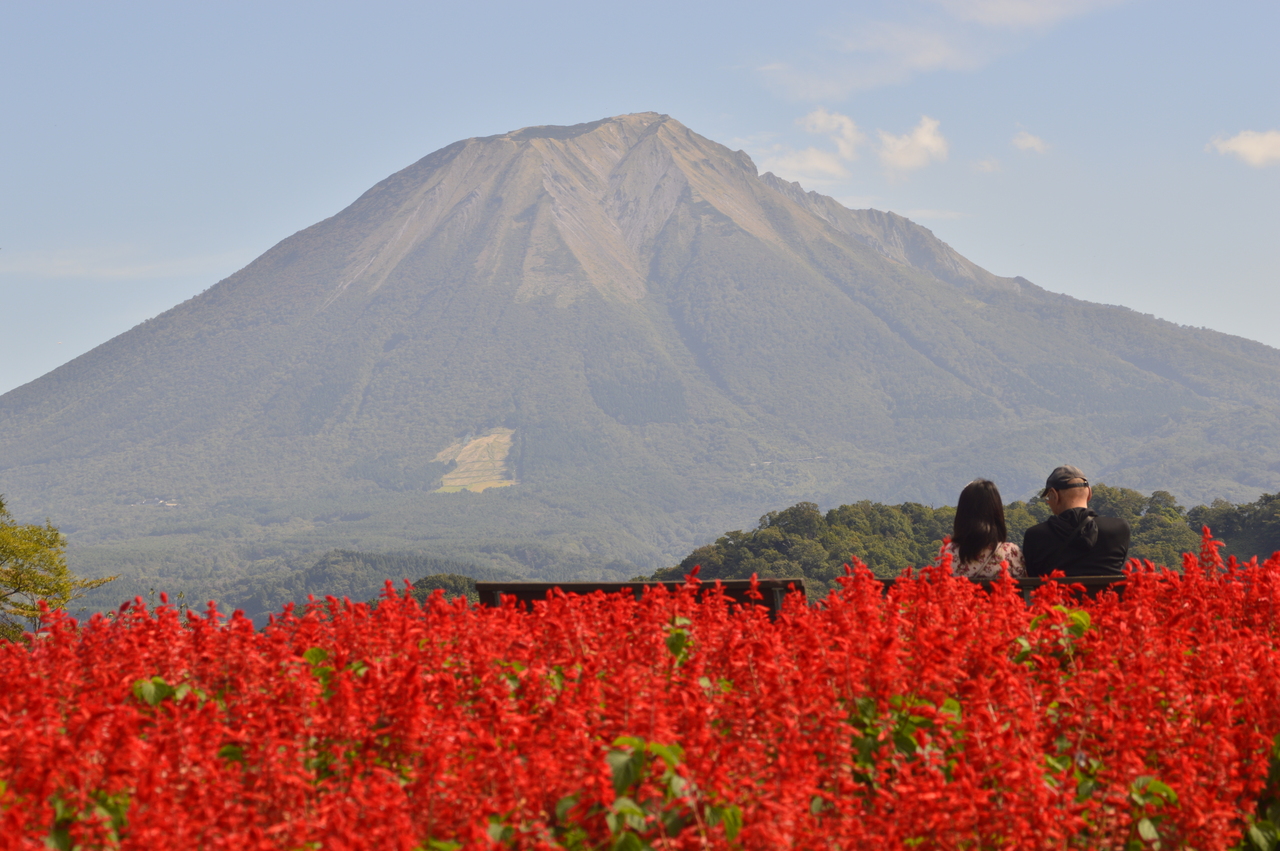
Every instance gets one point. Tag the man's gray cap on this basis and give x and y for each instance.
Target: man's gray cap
(1060, 478)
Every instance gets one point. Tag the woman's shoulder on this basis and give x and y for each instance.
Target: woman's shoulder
(1012, 554)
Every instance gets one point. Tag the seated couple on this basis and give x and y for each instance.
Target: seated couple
(1074, 540)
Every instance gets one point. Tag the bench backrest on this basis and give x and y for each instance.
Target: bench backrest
(774, 590)
(1093, 585)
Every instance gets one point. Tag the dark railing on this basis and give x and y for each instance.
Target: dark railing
(773, 590)
(1093, 585)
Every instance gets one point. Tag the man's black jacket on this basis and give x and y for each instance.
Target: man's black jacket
(1079, 543)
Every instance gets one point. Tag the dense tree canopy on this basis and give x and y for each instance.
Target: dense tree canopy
(357, 576)
(801, 541)
(33, 567)
(452, 584)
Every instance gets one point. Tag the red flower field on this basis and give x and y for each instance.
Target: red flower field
(937, 716)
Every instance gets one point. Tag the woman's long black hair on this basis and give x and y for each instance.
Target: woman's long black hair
(979, 523)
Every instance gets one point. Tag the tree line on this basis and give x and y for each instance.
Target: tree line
(802, 541)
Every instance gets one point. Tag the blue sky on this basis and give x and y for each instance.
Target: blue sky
(1122, 152)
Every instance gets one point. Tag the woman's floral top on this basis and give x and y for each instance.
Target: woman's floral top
(987, 566)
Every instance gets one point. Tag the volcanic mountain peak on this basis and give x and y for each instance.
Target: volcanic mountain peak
(586, 202)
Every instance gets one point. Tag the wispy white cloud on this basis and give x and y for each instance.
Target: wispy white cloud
(841, 128)
(1256, 149)
(806, 165)
(914, 150)
(816, 165)
(882, 53)
(907, 48)
(987, 166)
(924, 36)
(1022, 14)
(898, 154)
(1024, 141)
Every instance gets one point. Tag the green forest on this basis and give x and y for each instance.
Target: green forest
(801, 541)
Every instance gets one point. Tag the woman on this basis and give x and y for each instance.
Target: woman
(978, 544)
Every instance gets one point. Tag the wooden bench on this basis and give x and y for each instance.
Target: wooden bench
(774, 590)
(1093, 585)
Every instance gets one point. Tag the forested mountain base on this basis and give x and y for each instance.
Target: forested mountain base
(801, 541)
(342, 574)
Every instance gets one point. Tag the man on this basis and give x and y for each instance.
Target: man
(1075, 539)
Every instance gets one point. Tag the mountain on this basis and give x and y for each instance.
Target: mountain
(582, 351)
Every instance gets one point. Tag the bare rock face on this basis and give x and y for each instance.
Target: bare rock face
(661, 343)
(897, 238)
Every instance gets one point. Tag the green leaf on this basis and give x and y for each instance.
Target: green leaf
(673, 821)
(231, 753)
(152, 691)
(564, 805)
(628, 768)
(1079, 622)
(442, 845)
(500, 833)
(1147, 830)
(677, 640)
(625, 806)
(626, 814)
(1264, 836)
(113, 807)
(904, 739)
(677, 786)
(316, 656)
(672, 755)
(629, 842)
(731, 816)
(59, 839)
(1159, 789)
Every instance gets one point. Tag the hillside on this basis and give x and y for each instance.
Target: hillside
(582, 351)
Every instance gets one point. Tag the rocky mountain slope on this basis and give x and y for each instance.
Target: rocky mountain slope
(650, 343)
